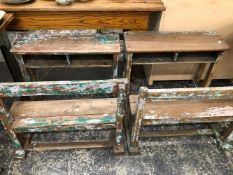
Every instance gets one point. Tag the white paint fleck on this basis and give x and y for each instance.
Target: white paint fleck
(216, 111)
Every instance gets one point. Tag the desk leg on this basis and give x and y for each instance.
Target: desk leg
(154, 21)
(9, 58)
(228, 137)
(115, 66)
(23, 69)
(210, 72)
(200, 71)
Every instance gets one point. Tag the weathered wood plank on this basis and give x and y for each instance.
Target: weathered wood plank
(72, 42)
(77, 107)
(173, 42)
(59, 88)
(65, 123)
(189, 132)
(191, 93)
(70, 145)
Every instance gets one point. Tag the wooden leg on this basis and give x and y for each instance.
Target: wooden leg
(210, 72)
(127, 72)
(9, 58)
(115, 66)
(227, 137)
(33, 74)
(134, 143)
(119, 142)
(200, 71)
(23, 69)
(7, 121)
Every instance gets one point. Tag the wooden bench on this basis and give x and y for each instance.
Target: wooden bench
(65, 49)
(181, 106)
(153, 49)
(35, 116)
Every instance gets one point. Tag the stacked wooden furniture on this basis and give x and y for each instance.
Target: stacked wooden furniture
(152, 48)
(97, 14)
(179, 106)
(58, 49)
(23, 118)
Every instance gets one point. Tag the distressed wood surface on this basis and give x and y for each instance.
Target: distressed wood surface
(119, 147)
(70, 145)
(78, 107)
(181, 106)
(185, 111)
(5, 21)
(172, 133)
(139, 114)
(64, 123)
(191, 93)
(46, 42)
(173, 42)
(97, 5)
(59, 88)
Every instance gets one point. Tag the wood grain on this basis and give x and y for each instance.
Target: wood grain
(80, 20)
(173, 42)
(34, 109)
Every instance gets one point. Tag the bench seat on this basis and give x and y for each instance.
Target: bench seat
(185, 111)
(39, 116)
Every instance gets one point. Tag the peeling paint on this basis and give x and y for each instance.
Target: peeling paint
(216, 111)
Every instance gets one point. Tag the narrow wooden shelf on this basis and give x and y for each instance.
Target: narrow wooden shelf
(60, 61)
(167, 58)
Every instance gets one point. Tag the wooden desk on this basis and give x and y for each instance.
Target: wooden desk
(95, 14)
(153, 48)
(5, 47)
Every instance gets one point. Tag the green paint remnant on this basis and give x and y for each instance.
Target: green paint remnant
(52, 124)
(107, 38)
(59, 88)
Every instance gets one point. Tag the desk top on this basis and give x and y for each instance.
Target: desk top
(64, 42)
(173, 42)
(91, 5)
